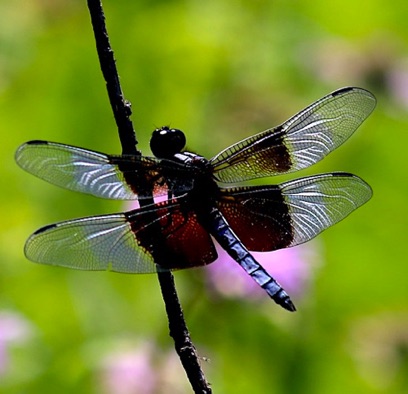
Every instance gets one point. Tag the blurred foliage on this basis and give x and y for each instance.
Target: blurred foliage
(220, 71)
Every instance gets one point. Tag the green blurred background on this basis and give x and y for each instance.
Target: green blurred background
(221, 71)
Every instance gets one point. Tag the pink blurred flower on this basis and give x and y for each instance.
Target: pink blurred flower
(141, 369)
(380, 64)
(397, 79)
(292, 268)
(14, 329)
(130, 371)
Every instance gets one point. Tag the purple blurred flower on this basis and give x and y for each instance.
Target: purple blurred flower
(14, 329)
(292, 268)
(141, 369)
(381, 61)
(398, 82)
(129, 372)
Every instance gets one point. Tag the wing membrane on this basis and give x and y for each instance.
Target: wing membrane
(267, 218)
(301, 141)
(112, 177)
(128, 242)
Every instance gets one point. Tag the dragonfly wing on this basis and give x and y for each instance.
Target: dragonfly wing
(114, 177)
(94, 243)
(74, 168)
(129, 242)
(301, 141)
(267, 218)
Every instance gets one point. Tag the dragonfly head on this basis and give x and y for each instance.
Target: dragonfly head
(166, 142)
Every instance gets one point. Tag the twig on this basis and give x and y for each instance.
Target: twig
(121, 108)
(179, 332)
(122, 112)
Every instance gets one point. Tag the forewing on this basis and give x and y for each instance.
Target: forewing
(130, 242)
(301, 141)
(267, 218)
(113, 177)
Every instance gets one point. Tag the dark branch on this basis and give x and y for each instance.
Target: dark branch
(179, 332)
(122, 112)
(121, 108)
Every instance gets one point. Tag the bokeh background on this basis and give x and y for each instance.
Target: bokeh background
(219, 70)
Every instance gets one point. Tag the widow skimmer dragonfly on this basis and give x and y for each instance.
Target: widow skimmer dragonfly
(177, 232)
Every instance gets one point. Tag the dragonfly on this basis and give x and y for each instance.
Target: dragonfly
(200, 200)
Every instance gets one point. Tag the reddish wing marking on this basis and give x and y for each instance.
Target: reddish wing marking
(261, 224)
(187, 243)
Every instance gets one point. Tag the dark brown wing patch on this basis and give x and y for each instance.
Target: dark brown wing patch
(186, 243)
(260, 218)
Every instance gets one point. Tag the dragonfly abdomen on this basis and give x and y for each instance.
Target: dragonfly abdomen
(228, 240)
